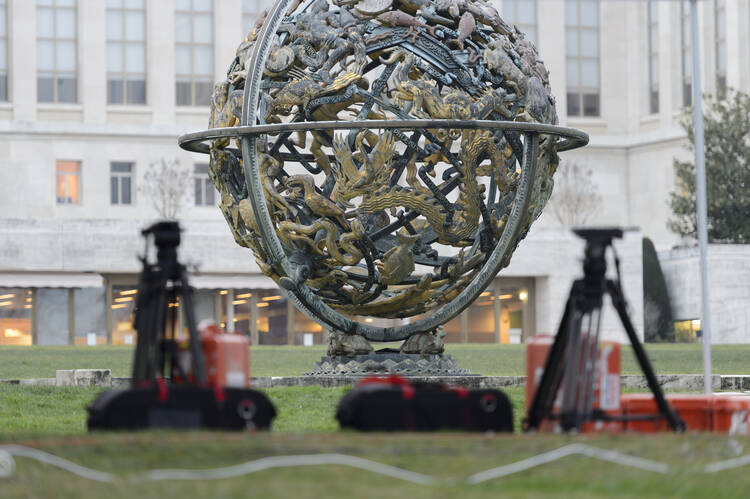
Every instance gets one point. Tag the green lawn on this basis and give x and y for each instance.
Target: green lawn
(53, 419)
(490, 360)
(40, 411)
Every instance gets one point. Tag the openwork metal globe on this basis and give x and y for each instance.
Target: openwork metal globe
(383, 157)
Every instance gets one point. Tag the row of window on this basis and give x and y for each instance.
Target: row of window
(57, 60)
(57, 50)
(500, 315)
(122, 183)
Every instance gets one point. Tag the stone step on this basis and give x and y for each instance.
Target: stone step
(679, 382)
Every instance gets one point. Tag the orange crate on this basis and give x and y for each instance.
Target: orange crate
(695, 411)
(731, 414)
(226, 354)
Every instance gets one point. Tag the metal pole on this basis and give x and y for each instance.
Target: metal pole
(700, 182)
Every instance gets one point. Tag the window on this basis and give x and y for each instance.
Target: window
(582, 56)
(126, 52)
(68, 182)
(522, 13)
(653, 57)
(204, 188)
(56, 57)
(687, 55)
(121, 183)
(122, 307)
(720, 15)
(3, 50)
(16, 308)
(251, 10)
(194, 47)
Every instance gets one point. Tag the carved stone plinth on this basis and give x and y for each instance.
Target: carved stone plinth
(389, 363)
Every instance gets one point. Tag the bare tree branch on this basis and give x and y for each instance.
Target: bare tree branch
(167, 184)
(575, 199)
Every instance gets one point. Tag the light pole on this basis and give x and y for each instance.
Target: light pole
(700, 182)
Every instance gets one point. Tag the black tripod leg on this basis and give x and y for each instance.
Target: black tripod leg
(546, 391)
(156, 328)
(147, 324)
(674, 420)
(196, 352)
(574, 386)
(142, 312)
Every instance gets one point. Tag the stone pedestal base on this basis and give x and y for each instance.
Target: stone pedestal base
(389, 363)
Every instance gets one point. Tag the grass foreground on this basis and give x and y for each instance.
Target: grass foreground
(489, 360)
(53, 419)
(448, 457)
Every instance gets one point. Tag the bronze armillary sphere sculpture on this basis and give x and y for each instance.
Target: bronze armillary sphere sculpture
(383, 158)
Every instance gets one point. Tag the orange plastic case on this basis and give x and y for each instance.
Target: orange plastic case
(695, 411)
(731, 414)
(227, 357)
(606, 383)
(719, 413)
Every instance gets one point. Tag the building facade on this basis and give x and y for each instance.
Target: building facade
(93, 92)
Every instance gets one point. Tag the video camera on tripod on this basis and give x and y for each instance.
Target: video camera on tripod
(166, 392)
(161, 283)
(570, 368)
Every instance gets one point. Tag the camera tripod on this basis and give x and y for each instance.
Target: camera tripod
(571, 364)
(161, 283)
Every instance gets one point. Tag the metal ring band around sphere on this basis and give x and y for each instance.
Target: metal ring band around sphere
(303, 296)
(570, 138)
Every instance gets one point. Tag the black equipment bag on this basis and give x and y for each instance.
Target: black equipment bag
(394, 404)
(181, 406)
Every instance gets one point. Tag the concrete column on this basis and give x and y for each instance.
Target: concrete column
(34, 318)
(738, 44)
(71, 317)
(289, 322)
(637, 59)
(89, 312)
(108, 309)
(529, 318)
(227, 34)
(22, 26)
(707, 47)
(230, 311)
(496, 304)
(254, 340)
(552, 49)
(160, 65)
(614, 77)
(180, 313)
(670, 65)
(53, 321)
(464, 321)
(92, 60)
(545, 311)
(218, 312)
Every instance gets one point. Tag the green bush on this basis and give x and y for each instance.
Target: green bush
(657, 310)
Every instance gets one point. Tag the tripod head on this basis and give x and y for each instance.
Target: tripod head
(595, 262)
(166, 239)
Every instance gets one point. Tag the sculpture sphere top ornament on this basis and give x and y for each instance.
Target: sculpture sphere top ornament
(383, 157)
